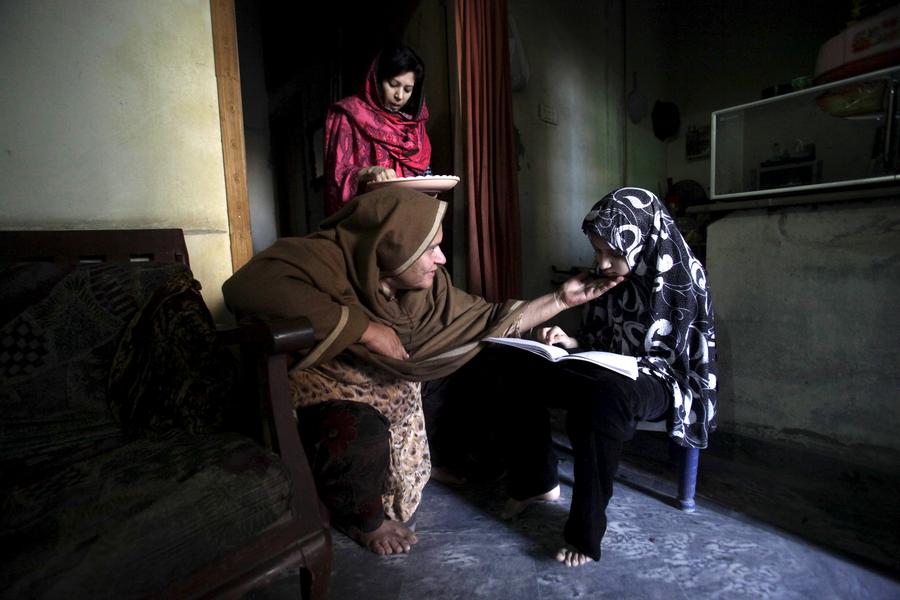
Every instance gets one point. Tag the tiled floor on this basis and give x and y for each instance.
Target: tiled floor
(651, 550)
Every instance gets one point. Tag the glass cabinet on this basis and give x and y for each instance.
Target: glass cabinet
(837, 135)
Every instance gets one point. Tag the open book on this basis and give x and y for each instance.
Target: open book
(620, 363)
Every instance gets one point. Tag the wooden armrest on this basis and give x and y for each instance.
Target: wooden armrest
(265, 349)
(274, 337)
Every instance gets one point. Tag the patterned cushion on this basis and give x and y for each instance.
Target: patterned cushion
(168, 371)
(23, 284)
(103, 350)
(59, 335)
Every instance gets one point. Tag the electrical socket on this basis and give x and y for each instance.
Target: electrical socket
(547, 113)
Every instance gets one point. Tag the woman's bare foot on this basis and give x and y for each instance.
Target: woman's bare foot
(390, 538)
(514, 507)
(572, 558)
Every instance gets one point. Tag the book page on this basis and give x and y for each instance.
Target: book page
(551, 352)
(620, 363)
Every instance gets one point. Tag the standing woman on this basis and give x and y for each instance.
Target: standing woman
(661, 314)
(379, 133)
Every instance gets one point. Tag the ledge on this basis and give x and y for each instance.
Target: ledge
(807, 198)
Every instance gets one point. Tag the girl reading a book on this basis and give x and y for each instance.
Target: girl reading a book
(662, 315)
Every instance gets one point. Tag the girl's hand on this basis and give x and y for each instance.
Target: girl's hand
(555, 335)
(585, 287)
(383, 340)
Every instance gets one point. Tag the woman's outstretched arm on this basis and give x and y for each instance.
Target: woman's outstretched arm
(578, 290)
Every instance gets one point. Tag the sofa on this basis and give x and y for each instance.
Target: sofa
(144, 453)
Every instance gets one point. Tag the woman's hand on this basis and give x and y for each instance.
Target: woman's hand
(555, 335)
(383, 340)
(367, 174)
(584, 287)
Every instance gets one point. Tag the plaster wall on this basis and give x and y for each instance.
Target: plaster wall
(257, 142)
(574, 56)
(109, 119)
(805, 301)
(648, 58)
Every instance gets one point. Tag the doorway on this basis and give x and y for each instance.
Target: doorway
(295, 61)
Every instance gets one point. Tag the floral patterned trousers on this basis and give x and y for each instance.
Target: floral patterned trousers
(364, 434)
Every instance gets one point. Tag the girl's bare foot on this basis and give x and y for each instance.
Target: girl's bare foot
(514, 507)
(572, 558)
(447, 476)
(390, 538)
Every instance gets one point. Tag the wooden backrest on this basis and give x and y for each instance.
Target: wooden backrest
(74, 247)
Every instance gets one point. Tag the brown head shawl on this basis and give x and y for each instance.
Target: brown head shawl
(333, 278)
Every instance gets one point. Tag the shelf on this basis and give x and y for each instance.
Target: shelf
(798, 200)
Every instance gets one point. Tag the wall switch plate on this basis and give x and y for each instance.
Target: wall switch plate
(547, 114)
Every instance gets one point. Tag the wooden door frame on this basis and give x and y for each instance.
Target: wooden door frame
(231, 121)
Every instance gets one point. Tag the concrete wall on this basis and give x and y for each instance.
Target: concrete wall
(574, 55)
(109, 119)
(805, 302)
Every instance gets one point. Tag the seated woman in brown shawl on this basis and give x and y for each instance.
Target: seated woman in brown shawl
(386, 318)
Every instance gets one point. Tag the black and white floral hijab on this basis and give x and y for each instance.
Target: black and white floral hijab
(662, 313)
